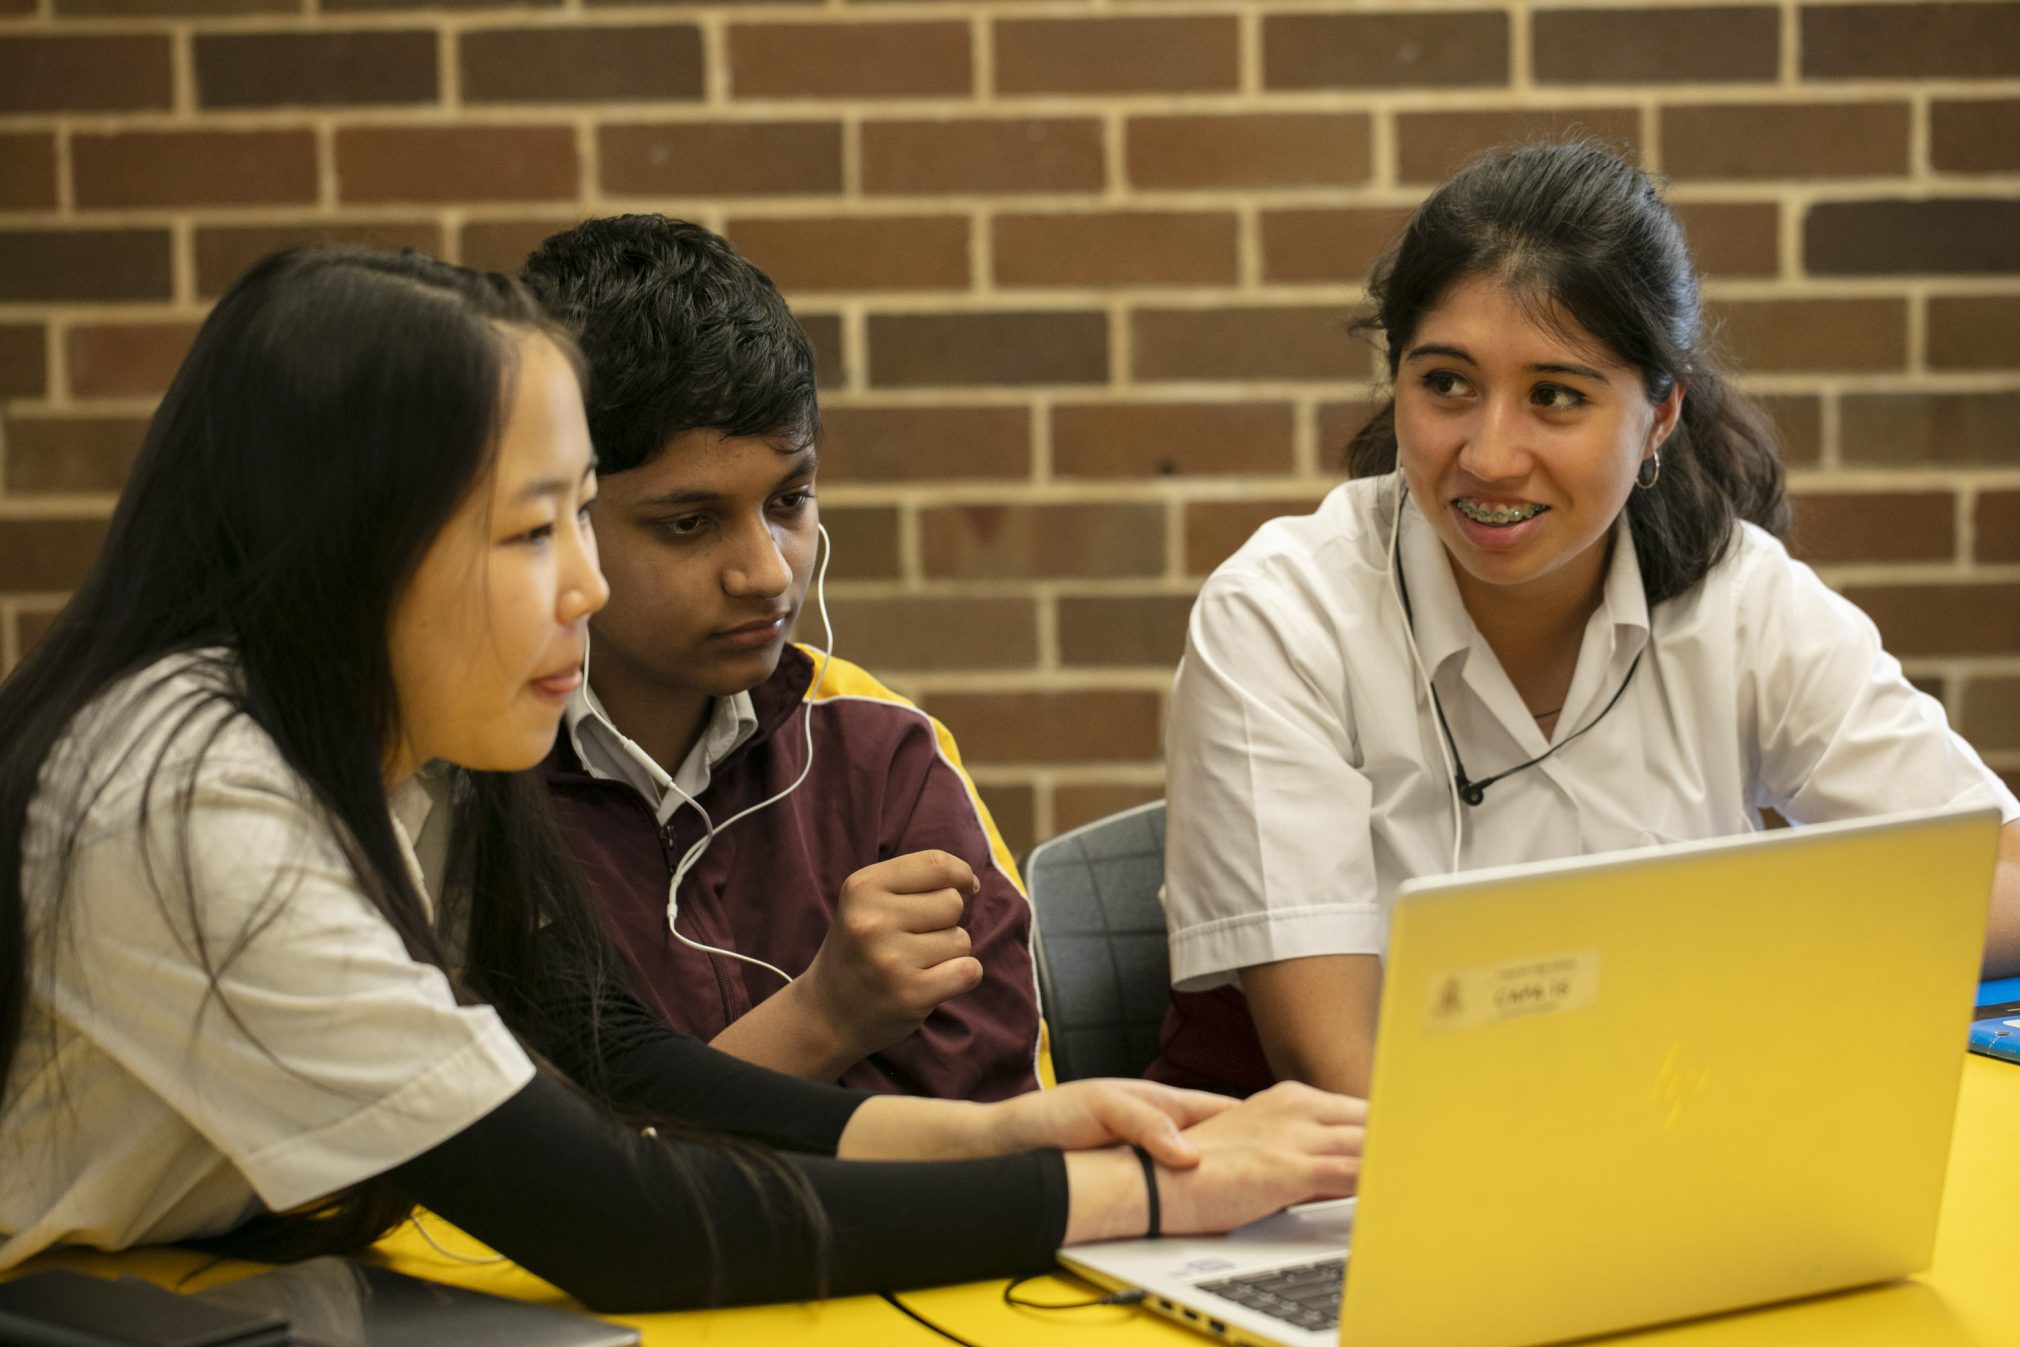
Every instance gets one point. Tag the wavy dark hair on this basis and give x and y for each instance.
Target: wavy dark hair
(682, 333)
(1575, 231)
(336, 408)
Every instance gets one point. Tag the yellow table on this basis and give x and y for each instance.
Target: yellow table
(1969, 1298)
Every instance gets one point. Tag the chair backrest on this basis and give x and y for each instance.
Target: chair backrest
(1098, 942)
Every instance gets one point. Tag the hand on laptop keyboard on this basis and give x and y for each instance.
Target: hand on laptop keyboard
(1289, 1144)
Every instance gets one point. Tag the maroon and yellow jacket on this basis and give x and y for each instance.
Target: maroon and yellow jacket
(886, 780)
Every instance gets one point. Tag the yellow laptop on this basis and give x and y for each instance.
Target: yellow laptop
(1627, 1089)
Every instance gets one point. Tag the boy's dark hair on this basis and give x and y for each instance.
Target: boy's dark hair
(681, 333)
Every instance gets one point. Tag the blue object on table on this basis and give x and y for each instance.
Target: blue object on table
(1995, 1028)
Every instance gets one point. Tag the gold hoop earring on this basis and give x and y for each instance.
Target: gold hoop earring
(1645, 479)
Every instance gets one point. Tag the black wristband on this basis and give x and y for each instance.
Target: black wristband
(1156, 1230)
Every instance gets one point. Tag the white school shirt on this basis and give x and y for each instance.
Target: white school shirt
(136, 1110)
(1303, 771)
(608, 754)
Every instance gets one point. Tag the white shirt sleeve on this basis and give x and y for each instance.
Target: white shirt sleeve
(325, 1053)
(1268, 848)
(1842, 734)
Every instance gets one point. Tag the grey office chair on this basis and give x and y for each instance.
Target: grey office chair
(1098, 942)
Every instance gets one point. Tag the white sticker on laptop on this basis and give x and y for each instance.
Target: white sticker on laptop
(1552, 984)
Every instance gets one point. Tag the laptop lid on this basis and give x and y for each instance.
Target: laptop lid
(1640, 1087)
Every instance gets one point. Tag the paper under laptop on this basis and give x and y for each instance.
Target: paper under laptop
(1602, 1098)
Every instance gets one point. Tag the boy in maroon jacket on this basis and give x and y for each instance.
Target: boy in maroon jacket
(867, 925)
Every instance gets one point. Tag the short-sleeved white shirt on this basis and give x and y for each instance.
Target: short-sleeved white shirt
(1303, 766)
(138, 1110)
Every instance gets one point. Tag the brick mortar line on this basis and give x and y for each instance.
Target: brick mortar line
(182, 262)
(1830, 428)
(818, 15)
(449, 70)
(1789, 31)
(982, 57)
(66, 174)
(1797, 196)
(1071, 394)
(1384, 161)
(1835, 382)
(1115, 165)
(1121, 344)
(715, 65)
(854, 591)
(451, 224)
(1237, 489)
(589, 169)
(1043, 470)
(1056, 203)
(1248, 51)
(855, 348)
(1972, 666)
(1174, 542)
(1648, 126)
(1917, 333)
(1124, 771)
(911, 545)
(1834, 191)
(14, 509)
(1921, 150)
(55, 363)
(981, 224)
(1172, 200)
(1023, 678)
(1046, 612)
(1305, 448)
(329, 188)
(1863, 480)
(1094, 491)
(852, 160)
(1790, 217)
(1845, 574)
(1064, 677)
(182, 70)
(1080, 299)
(1251, 265)
(1091, 106)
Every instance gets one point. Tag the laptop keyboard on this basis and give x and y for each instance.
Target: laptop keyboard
(1307, 1295)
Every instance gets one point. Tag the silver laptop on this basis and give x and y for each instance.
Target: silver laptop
(1628, 1089)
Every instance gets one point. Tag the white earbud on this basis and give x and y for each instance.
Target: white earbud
(700, 848)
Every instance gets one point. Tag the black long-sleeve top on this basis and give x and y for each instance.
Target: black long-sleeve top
(626, 1222)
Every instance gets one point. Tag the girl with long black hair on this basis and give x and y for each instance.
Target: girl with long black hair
(287, 944)
(1550, 616)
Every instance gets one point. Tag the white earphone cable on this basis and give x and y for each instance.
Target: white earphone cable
(1417, 662)
(700, 847)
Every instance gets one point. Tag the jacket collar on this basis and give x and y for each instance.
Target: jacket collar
(757, 715)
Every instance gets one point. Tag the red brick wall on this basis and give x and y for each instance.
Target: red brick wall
(1076, 269)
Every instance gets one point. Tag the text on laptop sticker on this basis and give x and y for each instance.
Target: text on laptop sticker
(1521, 989)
